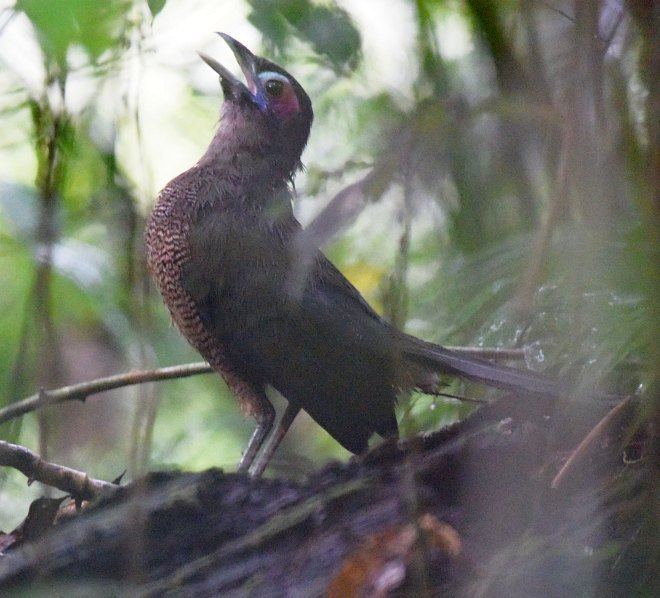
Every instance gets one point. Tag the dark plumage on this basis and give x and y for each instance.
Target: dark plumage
(221, 248)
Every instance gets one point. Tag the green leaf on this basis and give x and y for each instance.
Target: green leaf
(60, 24)
(155, 6)
(327, 28)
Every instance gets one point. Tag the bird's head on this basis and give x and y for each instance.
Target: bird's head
(271, 108)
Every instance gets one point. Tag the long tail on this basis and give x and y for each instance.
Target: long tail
(437, 358)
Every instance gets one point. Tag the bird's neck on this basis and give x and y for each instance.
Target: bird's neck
(242, 179)
(243, 155)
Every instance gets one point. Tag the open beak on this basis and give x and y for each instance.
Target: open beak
(231, 85)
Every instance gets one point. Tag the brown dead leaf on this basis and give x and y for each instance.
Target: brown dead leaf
(441, 535)
(71, 508)
(380, 563)
(75, 505)
(376, 566)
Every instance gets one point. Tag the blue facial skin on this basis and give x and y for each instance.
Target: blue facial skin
(260, 99)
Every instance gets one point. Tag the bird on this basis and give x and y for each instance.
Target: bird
(221, 247)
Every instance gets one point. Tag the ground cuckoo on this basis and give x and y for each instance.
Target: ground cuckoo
(221, 246)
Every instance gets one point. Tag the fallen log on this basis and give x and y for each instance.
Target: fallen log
(468, 510)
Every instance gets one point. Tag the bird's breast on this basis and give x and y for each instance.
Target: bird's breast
(168, 248)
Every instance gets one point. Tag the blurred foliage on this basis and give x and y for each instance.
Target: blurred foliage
(512, 145)
(60, 24)
(155, 6)
(326, 27)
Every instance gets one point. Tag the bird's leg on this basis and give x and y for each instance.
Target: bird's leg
(265, 416)
(254, 401)
(261, 462)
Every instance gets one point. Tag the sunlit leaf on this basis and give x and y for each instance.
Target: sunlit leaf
(94, 25)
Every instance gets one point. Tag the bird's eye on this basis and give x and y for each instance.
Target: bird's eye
(274, 87)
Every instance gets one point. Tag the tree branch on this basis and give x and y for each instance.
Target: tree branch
(588, 443)
(72, 481)
(79, 392)
(496, 353)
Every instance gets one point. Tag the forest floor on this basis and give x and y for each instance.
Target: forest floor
(487, 507)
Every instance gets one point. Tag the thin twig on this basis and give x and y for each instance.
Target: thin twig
(559, 11)
(76, 483)
(491, 352)
(49, 125)
(530, 279)
(147, 402)
(396, 297)
(588, 441)
(12, 14)
(84, 389)
(462, 398)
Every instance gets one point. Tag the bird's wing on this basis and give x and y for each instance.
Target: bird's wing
(429, 355)
(331, 279)
(325, 274)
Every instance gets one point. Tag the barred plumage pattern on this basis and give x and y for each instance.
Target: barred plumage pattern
(168, 250)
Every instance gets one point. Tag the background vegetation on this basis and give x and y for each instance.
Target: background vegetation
(511, 155)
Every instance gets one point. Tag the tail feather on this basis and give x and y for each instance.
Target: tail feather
(480, 370)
